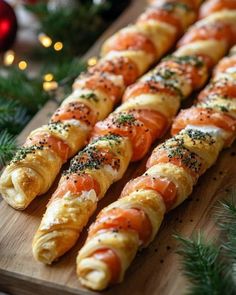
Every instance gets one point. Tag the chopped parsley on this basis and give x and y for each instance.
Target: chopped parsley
(187, 59)
(222, 108)
(165, 73)
(86, 159)
(188, 158)
(195, 134)
(22, 152)
(158, 77)
(58, 126)
(125, 118)
(90, 96)
(108, 137)
(175, 149)
(91, 158)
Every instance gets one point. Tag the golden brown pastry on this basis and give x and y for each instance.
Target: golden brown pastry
(125, 57)
(131, 222)
(147, 110)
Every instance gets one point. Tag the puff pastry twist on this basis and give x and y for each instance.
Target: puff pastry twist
(125, 57)
(130, 223)
(174, 167)
(148, 107)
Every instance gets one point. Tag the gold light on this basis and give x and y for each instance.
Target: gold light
(45, 40)
(92, 61)
(49, 86)
(58, 46)
(22, 65)
(8, 58)
(48, 77)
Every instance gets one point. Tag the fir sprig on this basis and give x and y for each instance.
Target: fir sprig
(203, 266)
(82, 21)
(13, 117)
(7, 147)
(226, 220)
(76, 25)
(18, 86)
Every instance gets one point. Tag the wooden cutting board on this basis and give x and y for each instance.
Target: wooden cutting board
(154, 271)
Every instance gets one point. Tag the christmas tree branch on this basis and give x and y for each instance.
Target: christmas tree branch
(7, 147)
(17, 86)
(203, 266)
(82, 21)
(226, 220)
(13, 117)
(211, 267)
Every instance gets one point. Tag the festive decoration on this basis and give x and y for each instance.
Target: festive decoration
(8, 58)
(8, 26)
(7, 147)
(210, 267)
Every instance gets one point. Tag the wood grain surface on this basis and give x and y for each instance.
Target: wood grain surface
(155, 271)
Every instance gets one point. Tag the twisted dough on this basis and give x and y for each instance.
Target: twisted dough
(125, 56)
(147, 110)
(173, 168)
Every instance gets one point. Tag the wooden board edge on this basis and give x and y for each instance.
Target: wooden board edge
(26, 285)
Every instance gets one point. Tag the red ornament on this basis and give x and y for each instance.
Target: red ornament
(8, 26)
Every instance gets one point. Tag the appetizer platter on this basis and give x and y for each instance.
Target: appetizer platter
(97, 174)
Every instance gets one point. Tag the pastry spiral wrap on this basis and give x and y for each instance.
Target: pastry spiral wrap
(125, 57)
(172, 170)
(146, 112)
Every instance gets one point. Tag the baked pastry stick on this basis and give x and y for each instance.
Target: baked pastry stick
(125, 57)
(209, 7)
(126, 135)
(132, 222)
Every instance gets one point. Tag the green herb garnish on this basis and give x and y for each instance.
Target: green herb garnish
(186, 59)
(22, 152)
(90, 96)
(125, 118)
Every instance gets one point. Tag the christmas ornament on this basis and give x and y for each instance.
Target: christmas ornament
(8, 26)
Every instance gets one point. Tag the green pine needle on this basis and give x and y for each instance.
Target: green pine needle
(13, 117)
(17, 86)
(226, 214)
(7, 147)
(202, 265)
(77, 26)
(226, 220)
(6, 107)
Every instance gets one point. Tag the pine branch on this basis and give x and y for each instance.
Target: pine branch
(226, 213)
(7, 147)
(6, 107)
(226, 220)
(17, 86)
(77, 26)
(202, 265)
(13, 117)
